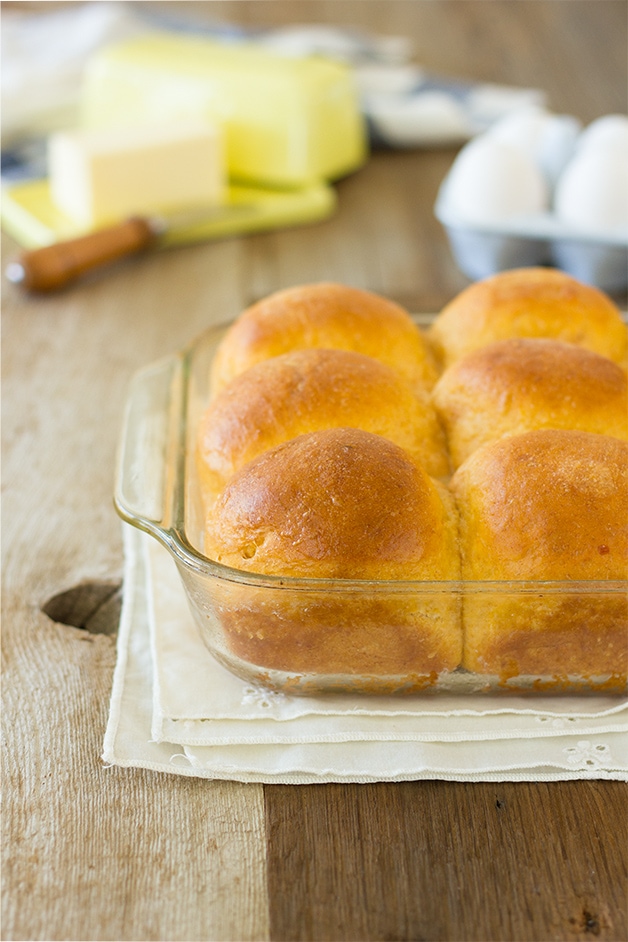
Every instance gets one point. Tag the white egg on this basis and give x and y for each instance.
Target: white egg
(547, 139)
(611, 131)
(592, 193)
(491, 181)
(521, 128)
(557, 145)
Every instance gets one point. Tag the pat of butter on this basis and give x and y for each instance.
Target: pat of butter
(103, 176)
(287, 121)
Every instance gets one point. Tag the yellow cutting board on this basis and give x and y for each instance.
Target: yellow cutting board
(28, 214)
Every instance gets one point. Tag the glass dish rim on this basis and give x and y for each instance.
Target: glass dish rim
(173, 540)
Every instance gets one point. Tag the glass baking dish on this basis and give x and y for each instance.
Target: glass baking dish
(314, 636)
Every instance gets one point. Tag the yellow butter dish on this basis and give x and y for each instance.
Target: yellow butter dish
(30, 216)
(286, 121)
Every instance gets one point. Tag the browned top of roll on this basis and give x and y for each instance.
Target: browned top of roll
(529, 302)
(340, 503)
(325, 315)
(523, 384)
(549, 504)
(310, 390)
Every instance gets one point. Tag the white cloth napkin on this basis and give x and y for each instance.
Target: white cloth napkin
(175, 709)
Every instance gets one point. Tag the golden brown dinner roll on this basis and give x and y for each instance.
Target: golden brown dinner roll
(325, 315)
(529, 302)
(545, 505)
(310, 390)
(515, 386)
(338, 504)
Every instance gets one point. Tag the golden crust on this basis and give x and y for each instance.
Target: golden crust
(548, 504)
(518, 385)
(529, 302)
(341, 504)
(545, 505)
(388, 643)
(563, 635)
(307, 391)
(325, 315)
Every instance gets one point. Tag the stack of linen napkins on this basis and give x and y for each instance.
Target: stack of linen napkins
(175, 709)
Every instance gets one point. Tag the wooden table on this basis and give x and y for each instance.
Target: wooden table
(106, 853)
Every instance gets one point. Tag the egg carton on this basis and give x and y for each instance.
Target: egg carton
(538, 189)
(483, 250)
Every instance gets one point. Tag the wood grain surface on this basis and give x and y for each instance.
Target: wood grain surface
(104, 853)
(446, 861)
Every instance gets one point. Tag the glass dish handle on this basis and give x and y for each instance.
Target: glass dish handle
(148, 444)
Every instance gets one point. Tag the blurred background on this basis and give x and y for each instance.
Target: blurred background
(449, 142)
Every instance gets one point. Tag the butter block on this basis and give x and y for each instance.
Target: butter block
(288, 122)
(98, 177)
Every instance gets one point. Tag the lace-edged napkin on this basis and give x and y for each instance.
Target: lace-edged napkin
(175, 709)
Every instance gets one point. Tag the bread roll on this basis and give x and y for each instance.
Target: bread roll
(338, 504)
(325, 315)
(307, 391)
(545, 505)
(529, 302)
(515, 386)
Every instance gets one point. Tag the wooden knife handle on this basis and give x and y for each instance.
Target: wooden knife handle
(54, 266)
